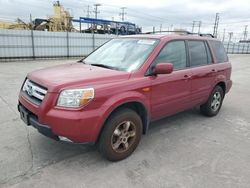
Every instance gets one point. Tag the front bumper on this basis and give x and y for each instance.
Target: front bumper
(30, 119)
(81, 127)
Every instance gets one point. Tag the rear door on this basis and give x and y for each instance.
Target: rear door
(203, 70)
(171, 92)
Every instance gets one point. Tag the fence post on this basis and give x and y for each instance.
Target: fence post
(32, 44)
(67, 39)
(238, 48)
(93, 41)
(32, 39)
(233, 48)
(228, 46)
(247, 48)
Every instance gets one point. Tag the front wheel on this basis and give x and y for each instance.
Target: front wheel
(121, 135)
(213, 105)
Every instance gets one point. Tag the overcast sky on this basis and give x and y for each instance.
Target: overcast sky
(234, 14)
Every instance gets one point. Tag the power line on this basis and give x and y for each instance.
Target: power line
(136, 11)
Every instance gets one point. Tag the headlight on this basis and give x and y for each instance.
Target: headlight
(75, 97)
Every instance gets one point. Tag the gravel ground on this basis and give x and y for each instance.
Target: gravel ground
(185, 150)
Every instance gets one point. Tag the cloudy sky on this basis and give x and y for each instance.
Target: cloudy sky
(234, 14)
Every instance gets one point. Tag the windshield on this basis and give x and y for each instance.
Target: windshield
(122, 54)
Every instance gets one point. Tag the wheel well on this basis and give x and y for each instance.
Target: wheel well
(138, 108)
(223, 86)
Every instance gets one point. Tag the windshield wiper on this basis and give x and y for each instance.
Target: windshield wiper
(81, 61)
(104, 66)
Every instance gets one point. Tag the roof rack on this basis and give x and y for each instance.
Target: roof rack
(184, 33)
(206, 35)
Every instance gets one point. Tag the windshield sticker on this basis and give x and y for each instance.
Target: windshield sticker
(148, 42)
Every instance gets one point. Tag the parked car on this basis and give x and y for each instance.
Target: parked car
(110, 97)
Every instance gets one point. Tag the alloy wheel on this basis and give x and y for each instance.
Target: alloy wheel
(216, 101)
(123, 136)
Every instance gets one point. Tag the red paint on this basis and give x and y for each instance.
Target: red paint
(167, 93)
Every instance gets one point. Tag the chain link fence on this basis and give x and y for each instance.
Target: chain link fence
(237, 47)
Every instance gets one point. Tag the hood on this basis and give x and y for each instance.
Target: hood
(75, 75)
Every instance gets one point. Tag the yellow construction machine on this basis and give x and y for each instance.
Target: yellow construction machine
(59, 21)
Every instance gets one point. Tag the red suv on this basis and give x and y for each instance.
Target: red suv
(112, 95)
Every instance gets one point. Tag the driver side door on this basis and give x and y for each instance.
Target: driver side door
(171, 93)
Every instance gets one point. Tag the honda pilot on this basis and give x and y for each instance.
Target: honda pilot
(110, 97)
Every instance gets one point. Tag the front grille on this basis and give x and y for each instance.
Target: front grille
(33, 92)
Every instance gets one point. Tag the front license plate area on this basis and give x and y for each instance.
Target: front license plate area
(24, 114)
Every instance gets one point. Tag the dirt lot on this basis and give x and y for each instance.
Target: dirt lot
(186, 150)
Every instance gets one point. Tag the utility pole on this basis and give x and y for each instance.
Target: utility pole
(96, 12)
(123, 13)
(224, 32)
(245, 33)
(216, 24)
(88, 15)
(199, 27)
(230, 36)
(193, 26)
(88, 12)
(96, 9)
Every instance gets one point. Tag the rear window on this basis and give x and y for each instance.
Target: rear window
(219, 51)
(198, 53)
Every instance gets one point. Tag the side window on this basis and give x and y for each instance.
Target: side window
(174, 52)
(198, 53)
(219, 51)
(209, 56)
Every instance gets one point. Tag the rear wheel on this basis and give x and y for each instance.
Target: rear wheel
(121, 135)
(213, 105)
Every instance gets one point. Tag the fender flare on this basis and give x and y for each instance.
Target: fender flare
(112, 105)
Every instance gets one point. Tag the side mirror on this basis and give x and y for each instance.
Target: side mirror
(163, 68)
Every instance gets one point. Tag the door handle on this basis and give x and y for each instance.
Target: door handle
(213, 70)
(187, 76)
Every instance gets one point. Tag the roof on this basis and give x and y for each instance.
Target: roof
(169, 36)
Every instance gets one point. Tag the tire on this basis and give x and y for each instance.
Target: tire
(122, 30)
(113, 139)
(214, 102)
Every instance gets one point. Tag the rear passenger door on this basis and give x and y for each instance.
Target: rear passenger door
(203, 71)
